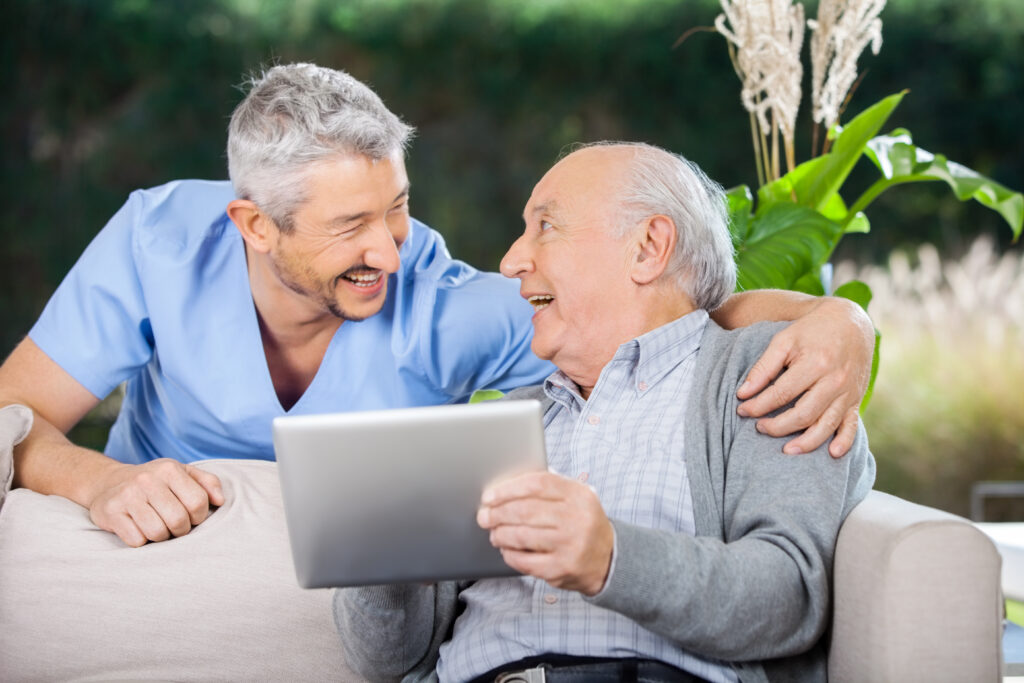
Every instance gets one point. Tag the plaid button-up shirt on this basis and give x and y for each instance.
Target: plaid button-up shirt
(626, 442)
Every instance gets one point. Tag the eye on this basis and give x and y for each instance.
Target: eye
(545, 225)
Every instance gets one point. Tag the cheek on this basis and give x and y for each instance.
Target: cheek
(398, 226)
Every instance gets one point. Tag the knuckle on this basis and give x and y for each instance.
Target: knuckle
(179, 525)
(803, 414)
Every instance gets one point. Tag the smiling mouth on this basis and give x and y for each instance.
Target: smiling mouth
(364, 278)
(540, 301)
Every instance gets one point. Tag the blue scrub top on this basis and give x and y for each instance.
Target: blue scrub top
(161, 299)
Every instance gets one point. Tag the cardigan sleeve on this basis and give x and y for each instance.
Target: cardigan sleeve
(754, 583)
(391, 633)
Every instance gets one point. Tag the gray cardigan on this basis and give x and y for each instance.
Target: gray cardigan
(751, 588)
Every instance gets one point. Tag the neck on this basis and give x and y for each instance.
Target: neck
(284, 315)
(656, 307)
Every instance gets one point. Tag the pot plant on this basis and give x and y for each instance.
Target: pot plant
(786, 231)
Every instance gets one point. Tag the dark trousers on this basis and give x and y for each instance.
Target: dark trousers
(568, 669)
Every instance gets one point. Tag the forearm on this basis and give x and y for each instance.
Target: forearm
(762, 590)
(746, 308)
(47, 462)
(743, 601)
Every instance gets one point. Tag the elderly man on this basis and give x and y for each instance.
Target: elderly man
(303, 286)
(671, 540)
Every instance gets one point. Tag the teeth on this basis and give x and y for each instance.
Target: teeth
(540, 301)
(364, 279)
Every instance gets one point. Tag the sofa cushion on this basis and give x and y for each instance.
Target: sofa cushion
(15, 423)
(220, 603)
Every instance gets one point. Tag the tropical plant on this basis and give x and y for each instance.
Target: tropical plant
(786, 232)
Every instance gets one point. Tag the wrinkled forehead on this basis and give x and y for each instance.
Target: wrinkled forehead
(590, 177)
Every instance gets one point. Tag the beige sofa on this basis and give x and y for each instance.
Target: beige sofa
(916, 593)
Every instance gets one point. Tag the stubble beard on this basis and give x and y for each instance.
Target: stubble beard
(320, 294)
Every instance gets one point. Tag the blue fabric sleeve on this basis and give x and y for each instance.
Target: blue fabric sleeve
(480, 338)
(96, 324)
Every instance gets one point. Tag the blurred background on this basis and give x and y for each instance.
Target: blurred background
(101, 98)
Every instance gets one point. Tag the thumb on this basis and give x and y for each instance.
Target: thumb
(766, 369)
(210, 483)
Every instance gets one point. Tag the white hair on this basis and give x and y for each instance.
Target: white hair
(298, 114)
(659, 182)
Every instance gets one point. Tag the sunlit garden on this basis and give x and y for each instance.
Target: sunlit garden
(107, 97)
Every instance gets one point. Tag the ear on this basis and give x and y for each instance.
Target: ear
(657, 242)
(256, 228)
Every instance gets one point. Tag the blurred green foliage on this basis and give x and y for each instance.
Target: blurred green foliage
(104, 97)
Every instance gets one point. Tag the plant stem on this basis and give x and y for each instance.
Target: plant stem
(870, 194)
(814, 139)
(757, 150)
(775, 150)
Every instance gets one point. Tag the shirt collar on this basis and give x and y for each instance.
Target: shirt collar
(654, 355)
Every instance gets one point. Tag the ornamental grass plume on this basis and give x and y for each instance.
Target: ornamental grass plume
(948, 408)
(838, 37)
(765, 38)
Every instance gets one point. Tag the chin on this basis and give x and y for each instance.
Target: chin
(541, 351)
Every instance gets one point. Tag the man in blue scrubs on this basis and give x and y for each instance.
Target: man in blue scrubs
(304, 286)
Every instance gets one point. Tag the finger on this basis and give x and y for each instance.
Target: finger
(843, 442)
(191, 493)
(210, 483)
(531, 564)
(122, 526)
(540, 485)
(525, 511)
(173, 513)
(149, 522)
(524, 538)
(767, 367)
(818, 433)
(781, 393)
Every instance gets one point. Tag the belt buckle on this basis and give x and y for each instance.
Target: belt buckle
(534, 675)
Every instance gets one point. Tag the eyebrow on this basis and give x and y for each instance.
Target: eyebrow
(342, 220)
(546, 207)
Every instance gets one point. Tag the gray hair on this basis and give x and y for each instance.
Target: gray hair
(659, 182)
(295, 115)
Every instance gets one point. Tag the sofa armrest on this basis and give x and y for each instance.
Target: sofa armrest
(917, 597)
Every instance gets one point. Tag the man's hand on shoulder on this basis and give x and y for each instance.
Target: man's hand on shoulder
(153, 501)
(824, 358)
(552, 528)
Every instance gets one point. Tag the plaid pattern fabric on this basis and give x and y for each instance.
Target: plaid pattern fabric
(626, 442)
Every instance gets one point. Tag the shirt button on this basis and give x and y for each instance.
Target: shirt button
(642, 386)
(550, 599)
(594, 419)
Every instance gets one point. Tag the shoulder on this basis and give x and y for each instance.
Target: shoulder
(731, 353)
(453, 289)
(180, 215)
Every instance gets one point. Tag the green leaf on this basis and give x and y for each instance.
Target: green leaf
(900, 161)
(814, 182)
(859, 293)
(856, 291)
(875, 356)
(741, 209)
(810, 283)
(784, 243)
(835, 210)
(485, 395)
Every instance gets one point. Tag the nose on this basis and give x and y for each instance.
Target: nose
(517, 261)
(382, 251)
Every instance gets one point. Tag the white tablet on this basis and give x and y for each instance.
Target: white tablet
(391, 496)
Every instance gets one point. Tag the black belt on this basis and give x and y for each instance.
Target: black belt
(566, 669)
